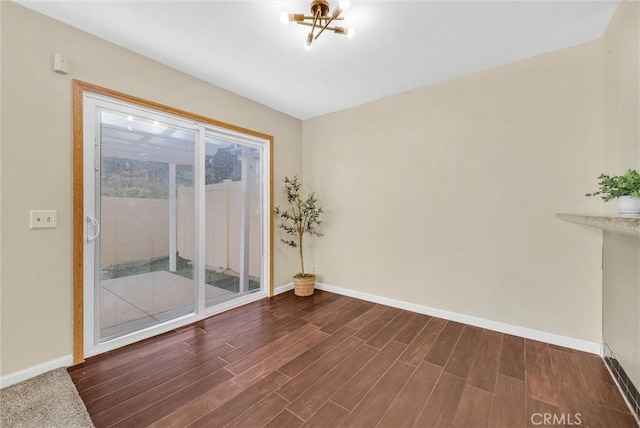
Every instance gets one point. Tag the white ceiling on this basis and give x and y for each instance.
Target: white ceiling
(398, 45)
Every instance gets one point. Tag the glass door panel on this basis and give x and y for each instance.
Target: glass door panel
(233, 219)
(147, 216)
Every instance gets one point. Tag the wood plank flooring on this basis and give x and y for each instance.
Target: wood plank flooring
(333, 361)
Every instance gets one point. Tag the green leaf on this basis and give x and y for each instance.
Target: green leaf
(612, 187)
(302, 216)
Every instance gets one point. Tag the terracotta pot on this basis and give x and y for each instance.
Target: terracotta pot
(304, 286)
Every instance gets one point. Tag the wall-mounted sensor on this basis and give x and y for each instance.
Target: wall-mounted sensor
(60, 64)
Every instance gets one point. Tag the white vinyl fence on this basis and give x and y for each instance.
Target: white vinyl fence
(137, 229)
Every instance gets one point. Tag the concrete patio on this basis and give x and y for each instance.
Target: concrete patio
(134, 302)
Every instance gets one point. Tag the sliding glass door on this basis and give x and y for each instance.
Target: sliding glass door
(175, 221)
(142, 280)
(233, 230)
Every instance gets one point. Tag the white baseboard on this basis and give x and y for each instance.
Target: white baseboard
(527, 333)
(17, 377)
(283, 289)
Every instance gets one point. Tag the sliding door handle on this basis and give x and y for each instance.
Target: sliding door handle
(92, 223)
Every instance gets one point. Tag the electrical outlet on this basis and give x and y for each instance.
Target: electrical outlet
(43, 219)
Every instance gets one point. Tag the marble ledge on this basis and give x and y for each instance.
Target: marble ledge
(625, 224)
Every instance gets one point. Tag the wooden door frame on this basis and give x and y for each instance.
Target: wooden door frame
(79, 88)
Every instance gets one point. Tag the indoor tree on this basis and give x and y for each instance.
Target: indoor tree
(302, 216)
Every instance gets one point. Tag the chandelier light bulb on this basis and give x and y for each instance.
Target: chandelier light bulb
(307, 43)
(350, 32)
(284, 17)
(344, 5)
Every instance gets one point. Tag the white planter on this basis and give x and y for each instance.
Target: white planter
(628, 205)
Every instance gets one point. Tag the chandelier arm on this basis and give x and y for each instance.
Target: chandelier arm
(310, 17)
(308, 24)
(315, 19)
(326, 25)
(322, 29)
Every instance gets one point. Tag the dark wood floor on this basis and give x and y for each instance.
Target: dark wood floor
(330, 360)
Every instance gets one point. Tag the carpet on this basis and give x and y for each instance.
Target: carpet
(49, 400)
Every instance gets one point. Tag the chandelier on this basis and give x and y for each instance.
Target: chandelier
(319, 20)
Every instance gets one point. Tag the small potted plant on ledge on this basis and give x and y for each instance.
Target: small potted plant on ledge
(625, 187)
(303, 216)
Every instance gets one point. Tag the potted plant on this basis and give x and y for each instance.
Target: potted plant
(625, 187)
(302, 216)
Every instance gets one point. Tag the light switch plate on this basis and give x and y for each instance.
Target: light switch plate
(43, 219)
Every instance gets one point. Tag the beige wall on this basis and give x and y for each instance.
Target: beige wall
(36, 165)
(621, 277)
(445, 196)
(622, 89)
